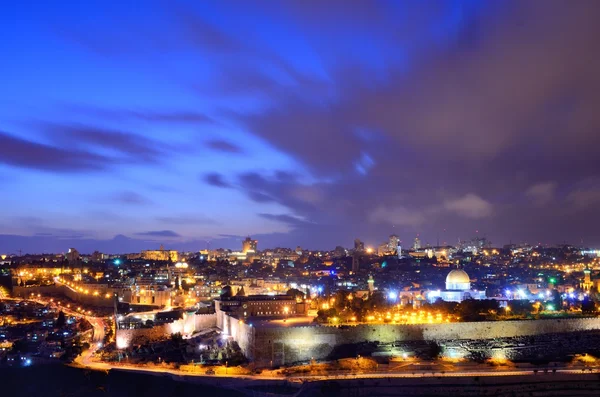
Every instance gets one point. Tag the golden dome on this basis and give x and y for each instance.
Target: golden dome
(457, 276)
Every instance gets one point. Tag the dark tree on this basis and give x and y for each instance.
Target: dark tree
(61, 320)
(588, 306)
(295, 293)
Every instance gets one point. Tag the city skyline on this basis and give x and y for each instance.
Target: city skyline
(185, 125)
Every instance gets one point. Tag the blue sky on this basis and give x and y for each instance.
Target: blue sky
(300, 123)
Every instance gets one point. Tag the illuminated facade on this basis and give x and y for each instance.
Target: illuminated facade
(153, 295)
(161, 255)
(458, 288)
(249, 245)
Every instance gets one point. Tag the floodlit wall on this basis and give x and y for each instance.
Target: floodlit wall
(293, 344)
(58, 290)
(189, 324)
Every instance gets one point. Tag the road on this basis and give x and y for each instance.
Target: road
(98, 324)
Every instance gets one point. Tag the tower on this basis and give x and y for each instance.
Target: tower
(417, 244)
(249, 245)
(355, 262)
(393, 243)
(371, 284)
(587, 279)
(359, 245)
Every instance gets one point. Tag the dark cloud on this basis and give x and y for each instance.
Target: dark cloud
(129, 146)
(22, 153)
(223, 146)
(216, 179)
(159, 233)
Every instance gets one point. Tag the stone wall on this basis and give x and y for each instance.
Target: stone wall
(59, 290)
(127, 337)
(292, 344)
(190, 323)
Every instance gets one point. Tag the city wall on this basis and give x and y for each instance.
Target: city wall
(58, 290)
(189, 324)
(279, 345)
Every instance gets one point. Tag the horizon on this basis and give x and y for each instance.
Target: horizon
(190, 124)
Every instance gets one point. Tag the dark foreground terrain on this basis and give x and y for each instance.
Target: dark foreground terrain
(62, 381)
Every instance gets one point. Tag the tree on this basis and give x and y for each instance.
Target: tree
(19, 346)
(521, 307)
(226, 292)
(177, 339)
(377, 300)
(323, 316)
(295, 293)
(556, 300)
(443, 306)
(61, 321)
(476, 310)
(588, 306)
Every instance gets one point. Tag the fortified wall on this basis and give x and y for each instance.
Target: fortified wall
(189, 324)
(62, 290)
(279, 345)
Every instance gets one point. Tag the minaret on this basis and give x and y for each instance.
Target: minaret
(371, 284)
(587, 279)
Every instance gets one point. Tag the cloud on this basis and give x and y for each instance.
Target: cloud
(187, 220)
(22, 153)
(216, 179)
(542, 193)
(397, 216)
(470, 206)
(223, 146)
(153, 116)
(132, 198)
(159, 233)
(284, 218)
(584, 199)
(129, 147)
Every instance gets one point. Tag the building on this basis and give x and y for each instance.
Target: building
(417, 244)
(359, 245)
(72, 255)
(393, 243)
(371, 284)
(152, 295)
(355, 262)
(160, 255)
(249, 245)
(247, 307)
(458, 288)
(587, 280)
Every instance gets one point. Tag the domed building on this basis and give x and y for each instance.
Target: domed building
(458, 288)
(458, 279)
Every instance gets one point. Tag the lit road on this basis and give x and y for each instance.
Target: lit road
(98, 324)
(336, 375)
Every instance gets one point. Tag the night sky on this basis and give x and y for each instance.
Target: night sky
(299, 123)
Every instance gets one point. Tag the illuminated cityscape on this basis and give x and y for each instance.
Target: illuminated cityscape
(300, 198)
